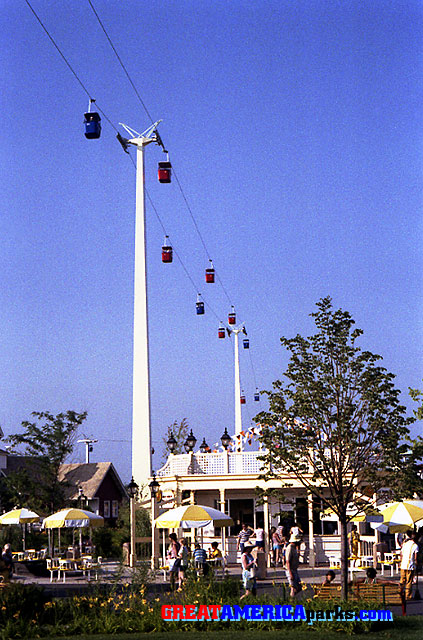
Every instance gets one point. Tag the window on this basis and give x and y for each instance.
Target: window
(115, 508)
(106, 509)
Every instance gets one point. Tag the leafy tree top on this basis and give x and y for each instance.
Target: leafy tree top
(337, 421)
(52, 438)
(47, 441)
(180, 433)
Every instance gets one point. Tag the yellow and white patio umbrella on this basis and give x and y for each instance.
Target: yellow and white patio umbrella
(20, 516)
(400, 516)
(370, 515)
(192, 516)
(72, 518)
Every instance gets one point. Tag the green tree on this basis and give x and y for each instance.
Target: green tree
(336, 424)
(180, 433)
(45, 443)
(417, 395)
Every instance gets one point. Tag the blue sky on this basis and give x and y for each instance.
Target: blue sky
(295, 129)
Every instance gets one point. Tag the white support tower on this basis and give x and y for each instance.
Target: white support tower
(238, 415)
(141, 418)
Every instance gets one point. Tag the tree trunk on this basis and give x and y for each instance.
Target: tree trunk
(344, 557)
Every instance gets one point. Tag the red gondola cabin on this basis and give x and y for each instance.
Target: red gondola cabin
(210, 273)
(165, 172)
(167, 251)
(221, 332)
(232, 317)
(243, 401)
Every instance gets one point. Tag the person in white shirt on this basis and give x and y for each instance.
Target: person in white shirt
(408, 564)
(259, 537)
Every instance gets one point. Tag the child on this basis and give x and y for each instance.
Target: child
(329, 578)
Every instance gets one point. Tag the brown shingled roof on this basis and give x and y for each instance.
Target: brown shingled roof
(87, 476)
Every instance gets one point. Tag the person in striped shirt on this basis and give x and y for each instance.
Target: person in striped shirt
(200, 557)
(243, 536)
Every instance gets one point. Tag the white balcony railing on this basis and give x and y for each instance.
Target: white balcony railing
(212, 464)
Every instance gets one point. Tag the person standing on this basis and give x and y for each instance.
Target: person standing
(277, 546)
(200, 558)
(354, 538)
(292, 561)
(249, 568)
(183, 555)
(408, 564)
(260, 537)
(8, 564)
(296, 530)
(243, 536)
(173, 560)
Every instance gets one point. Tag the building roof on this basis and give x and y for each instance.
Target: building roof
(88, 477)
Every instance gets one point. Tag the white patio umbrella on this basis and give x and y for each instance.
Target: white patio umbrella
(72, 518)
(193, 516)
(371, 515)
(21, 517)
(399, 516)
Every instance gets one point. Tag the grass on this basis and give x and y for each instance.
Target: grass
(404, 628)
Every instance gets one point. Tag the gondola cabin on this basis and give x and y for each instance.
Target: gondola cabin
(221, 332)
(165, 172)
(242, 399)
(92, 122)
(210, 273)
(246, 343)
(256, 397)
(232, 317)
(199, 306)
(167, 251)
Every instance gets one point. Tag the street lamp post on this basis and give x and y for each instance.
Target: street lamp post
(133, 492)
(154, 487)
(82, 503)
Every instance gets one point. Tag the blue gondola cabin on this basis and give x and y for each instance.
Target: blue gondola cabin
(92, 122)
(199, 306)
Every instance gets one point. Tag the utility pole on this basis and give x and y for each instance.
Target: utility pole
(88, 447)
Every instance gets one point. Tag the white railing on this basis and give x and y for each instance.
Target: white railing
(212, 464)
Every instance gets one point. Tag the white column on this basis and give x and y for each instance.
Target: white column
(238, 418)
(141, 427)
(266, 529)
(312, 555)
(223, 529)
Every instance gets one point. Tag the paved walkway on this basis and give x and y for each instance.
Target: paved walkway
(112, 571)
